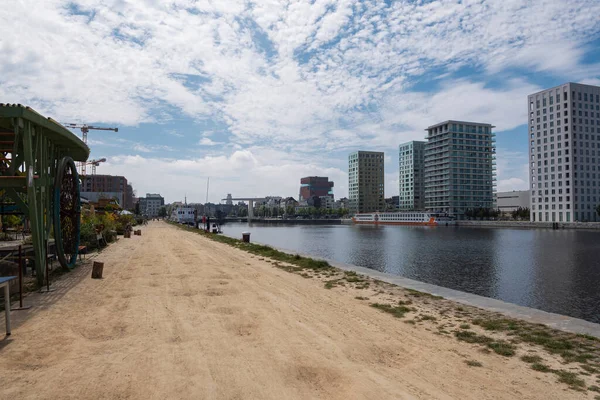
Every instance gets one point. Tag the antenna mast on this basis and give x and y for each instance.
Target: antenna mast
(207, 183)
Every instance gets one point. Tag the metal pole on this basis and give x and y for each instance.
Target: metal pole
(20, 279)
(47, 274)
(7, 307)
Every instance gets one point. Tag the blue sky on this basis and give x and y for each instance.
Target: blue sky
(256, 94)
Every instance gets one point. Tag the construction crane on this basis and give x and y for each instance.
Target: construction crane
(84, 132)
(94, 164)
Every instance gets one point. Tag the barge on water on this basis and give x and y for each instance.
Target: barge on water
(422, 218)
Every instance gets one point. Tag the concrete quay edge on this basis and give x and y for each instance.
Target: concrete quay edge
(553, 320)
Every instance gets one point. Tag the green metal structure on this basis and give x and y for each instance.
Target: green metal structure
(37, 172)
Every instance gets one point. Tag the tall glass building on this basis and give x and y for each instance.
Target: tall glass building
(366, 181)
(460, 167)
(411, 161)
(564, 153)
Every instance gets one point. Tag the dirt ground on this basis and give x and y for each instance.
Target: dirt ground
(178, 316)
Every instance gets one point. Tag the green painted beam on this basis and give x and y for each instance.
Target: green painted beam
(14, 196)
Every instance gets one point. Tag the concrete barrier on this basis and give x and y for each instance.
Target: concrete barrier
(531, 225)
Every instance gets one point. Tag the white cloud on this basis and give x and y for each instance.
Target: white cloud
(208, 142)
(510, 184)
(282, 77)
(359, 52)
(242, 173)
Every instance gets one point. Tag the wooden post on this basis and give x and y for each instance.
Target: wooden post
(97, 269)
(127, 234)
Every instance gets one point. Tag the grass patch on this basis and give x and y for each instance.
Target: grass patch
(472, 363)
(570, 378)
(397, 312)
(361, 298)
(265, 251)
(410, 321)
(416, 293)
(540, 367)
(594, 388)
(331, 284)
(589, 368)
(465, 326)
(472, 337)
(426, 317)
(588, 337)
(531, 359)
(503, 348)
(500, 324)
(498, 346)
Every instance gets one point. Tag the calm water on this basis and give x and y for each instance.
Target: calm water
(556, 271)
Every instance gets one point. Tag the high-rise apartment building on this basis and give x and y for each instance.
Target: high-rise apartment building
(564, 153)
(411, 176)
(459, 167)
(315, 186)
(366, 181)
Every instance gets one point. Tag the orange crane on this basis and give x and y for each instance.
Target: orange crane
(84, 132)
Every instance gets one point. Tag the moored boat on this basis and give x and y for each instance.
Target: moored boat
(403, 218)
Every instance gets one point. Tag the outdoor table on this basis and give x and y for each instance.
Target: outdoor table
(4, 281)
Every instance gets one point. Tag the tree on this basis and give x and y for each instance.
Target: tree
(290, 210)
(261, 211)
(162, 212)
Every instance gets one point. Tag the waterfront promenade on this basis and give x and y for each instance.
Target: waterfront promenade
(178, 316)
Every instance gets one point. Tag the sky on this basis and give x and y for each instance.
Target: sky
(257, 94)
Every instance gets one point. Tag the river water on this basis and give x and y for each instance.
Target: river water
(555, 271)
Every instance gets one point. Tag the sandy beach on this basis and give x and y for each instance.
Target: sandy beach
(178, 316)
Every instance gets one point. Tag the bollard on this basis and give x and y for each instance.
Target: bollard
(97, 269)
(246, 237)
(127, 235)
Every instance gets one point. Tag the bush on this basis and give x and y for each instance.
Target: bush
(106, 223)
(88, 235)
(122, 222)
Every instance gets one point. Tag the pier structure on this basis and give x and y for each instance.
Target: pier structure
(250, 201)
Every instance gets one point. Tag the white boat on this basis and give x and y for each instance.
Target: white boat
(403, 218)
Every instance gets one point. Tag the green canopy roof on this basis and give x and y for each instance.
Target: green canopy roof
(58, 134)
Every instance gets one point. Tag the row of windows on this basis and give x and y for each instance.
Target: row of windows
(460, 128)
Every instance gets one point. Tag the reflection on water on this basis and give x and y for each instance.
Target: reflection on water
(556, 271)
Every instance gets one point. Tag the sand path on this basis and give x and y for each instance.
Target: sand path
(178, 316)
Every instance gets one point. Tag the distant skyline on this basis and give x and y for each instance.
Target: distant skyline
(258, 94)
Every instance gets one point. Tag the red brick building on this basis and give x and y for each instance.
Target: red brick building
(315, 186)
(108, 184)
